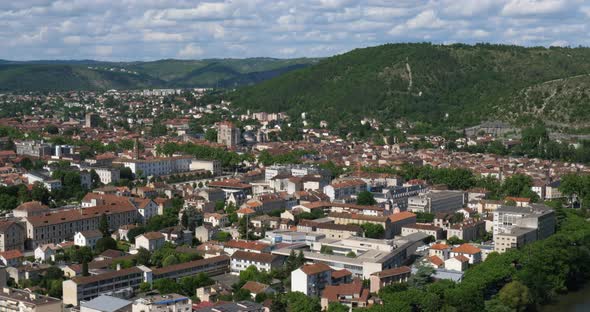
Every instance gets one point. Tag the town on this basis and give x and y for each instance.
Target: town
(156, 200)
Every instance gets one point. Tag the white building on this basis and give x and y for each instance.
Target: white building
(105, 303)
(87, 238)
(158, 166)
(264, 262)
(150, 241)
(311, 279)
(23, 301)
(161, 303)
(214, 166)
(107, 175)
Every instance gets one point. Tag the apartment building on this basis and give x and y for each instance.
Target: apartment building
(344, 189)
(157, 166)
(439, 201)
(296, 170)
(467, 230)
(512, 225)
(311, 279)
(241, 260)
(106, 175)
(63, 225)
(384, 278)
(12, 299)
(84, 288)
(159, 303)
(33, 148)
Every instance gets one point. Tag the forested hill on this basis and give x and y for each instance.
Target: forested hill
(170, 73)
(437, 84)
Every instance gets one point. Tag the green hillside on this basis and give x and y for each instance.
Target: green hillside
(94, 75)
(440, 85)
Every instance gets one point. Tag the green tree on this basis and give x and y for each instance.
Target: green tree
(7, 202)
(143, 257)
(365, 198)
(40, 193)
(516, 296)
(422, 277)
(170, 260)
(103, 225)
(211, 135)
(337, 307)
(105, 243)
(373, 230)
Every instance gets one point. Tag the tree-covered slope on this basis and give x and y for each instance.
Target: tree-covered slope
(95, 75)
(44, 77)
(452, 84)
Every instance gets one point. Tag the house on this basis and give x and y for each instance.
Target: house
(353, 295)
(241, 260)
(435, 262)
(343, 189)
(232, 246)
(29, 209)
(46, 252)
(123, 230)
(243, 212)
(443, 251)
(384, 278)
(457, 263)
(150, 241)
(471, 252)
(311, 279)
(12, 236)
(87, 238)
(206, 232)
(11, 257)
(216, 219)
(256, 288)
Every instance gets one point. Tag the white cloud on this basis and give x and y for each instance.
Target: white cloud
(191, 50)
(534, 7)
(427, 19)
(153, 29)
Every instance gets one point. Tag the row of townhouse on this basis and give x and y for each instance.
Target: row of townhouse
(63, 225)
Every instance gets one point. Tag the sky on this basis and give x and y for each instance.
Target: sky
(125, 30)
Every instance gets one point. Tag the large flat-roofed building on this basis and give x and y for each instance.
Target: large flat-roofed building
(210, 266)
(23, 301)
(63, 225)
(161, 303)
(84, 288)
(370, 255)
(33, 148)
(106, 303)
(512, 225)
(439, 201)
(157, 166)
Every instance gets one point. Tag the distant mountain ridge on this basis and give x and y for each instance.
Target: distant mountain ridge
(59, 75)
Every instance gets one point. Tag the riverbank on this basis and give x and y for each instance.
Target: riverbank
(577, 301)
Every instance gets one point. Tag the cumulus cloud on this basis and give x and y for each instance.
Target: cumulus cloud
(191, 50)
(155, 29)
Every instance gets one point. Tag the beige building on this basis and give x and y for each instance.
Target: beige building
(150, 241)
(88, 287)
(228, 134)
(12, 236)
(387, 277)
(63, 225)
(23, 301)
(360, 219)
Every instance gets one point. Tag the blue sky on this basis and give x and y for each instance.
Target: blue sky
(155, 29)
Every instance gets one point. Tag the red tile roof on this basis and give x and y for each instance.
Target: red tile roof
(316, 268)
(466, 249)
